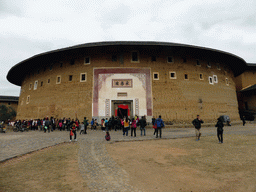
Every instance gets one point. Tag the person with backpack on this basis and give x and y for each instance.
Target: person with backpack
(197, 123)
(126, 126)
(220, 126)
(159, 124)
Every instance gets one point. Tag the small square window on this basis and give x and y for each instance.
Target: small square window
(169, 59)
(173, 75)
(72, 61)
(155, 76)
(186, 76)
(83, 77)
(210, 80)
(35, 85)
(42, 83)
(209, 65)
(198, 63)
(114, 57)
(70, 77)
(201, 77)
(135, 56)
(215, 79)
(87, 60)
(153, 58)
(30, 86)
(58, 80)
(48, 81)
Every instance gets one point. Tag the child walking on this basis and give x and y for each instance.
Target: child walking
(73, 132)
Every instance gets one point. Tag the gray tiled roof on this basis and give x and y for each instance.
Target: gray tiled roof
(9, 98)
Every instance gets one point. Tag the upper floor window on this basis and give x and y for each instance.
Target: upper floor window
(209, 65)
(215, 79)
(114, 57)
(155, 76)
(70, 78)
(35, 85)
(153, 58)
(227, 82)
(170, 59)
(198, 63)
(218, 66)
(58, 79)
(30, 86)
(173, 75)
(48, 81)
(201, 77)
(87, 60)
(28, 99)
(135, 56)
(83, 77)
(210, 80)
(186, 76)
(42, 83)
(72, 61)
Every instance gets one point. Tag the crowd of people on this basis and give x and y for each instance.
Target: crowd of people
(114, 123)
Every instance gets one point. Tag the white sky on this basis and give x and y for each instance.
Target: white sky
(29, 27)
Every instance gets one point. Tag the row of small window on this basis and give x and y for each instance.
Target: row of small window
(83, 78)
(134, 58)
(212, 79)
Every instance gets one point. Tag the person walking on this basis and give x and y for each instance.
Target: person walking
(82, 128)
(243, 119)
(159, 124)
(220, 126)
(197, 123)
(73, 132)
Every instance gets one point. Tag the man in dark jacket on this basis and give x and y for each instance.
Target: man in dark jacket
(220, 126)
(85, 125)
(142, 123)
(160, 124)
(197, 123)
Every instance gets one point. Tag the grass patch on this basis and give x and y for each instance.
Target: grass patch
(51, 169)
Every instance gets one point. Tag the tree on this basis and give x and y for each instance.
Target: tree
(6, 113)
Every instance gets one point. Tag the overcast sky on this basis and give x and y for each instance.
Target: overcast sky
(29, 27)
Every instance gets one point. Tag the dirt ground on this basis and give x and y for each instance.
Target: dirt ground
(51, 169)
(189, 165)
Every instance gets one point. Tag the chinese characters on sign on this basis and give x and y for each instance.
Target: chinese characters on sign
(121, 83)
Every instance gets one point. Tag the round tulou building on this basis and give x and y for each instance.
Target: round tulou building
(102, 79)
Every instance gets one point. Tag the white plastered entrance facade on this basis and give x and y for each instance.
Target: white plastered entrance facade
(136, 93)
